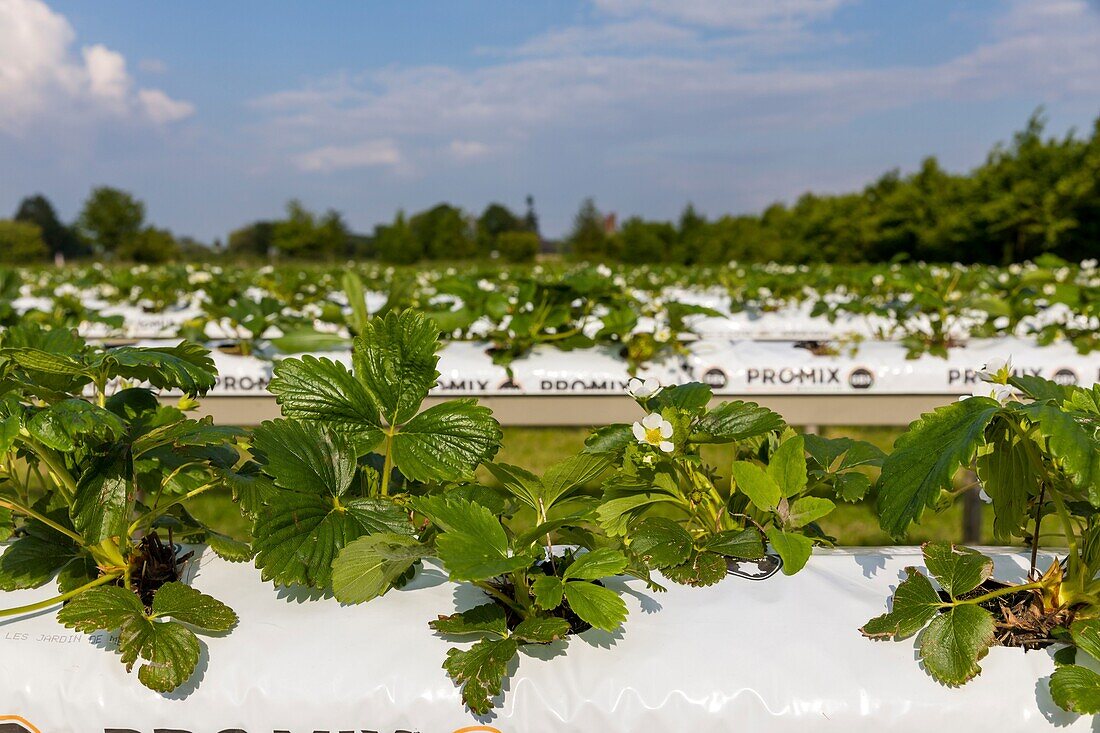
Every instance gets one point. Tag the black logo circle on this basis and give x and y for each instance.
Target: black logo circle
(1065, 377)
(861, 378)
(716, 378)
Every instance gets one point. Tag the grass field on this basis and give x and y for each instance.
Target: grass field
(538, 448)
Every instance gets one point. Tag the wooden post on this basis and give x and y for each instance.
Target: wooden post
(972, 511)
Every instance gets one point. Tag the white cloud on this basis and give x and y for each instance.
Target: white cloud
(367, 154)
(640, 33)
(107, 75)
(729, 14)
(152, 66)
(163, 109)
(43, 79)
(613, 101)
(468, 149)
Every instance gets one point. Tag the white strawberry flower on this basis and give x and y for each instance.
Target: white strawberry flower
(654, 430)
(1000, 392)
(996, 370)
(640, 390)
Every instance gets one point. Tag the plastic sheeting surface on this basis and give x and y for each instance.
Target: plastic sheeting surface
(729, 367)
(781, 654)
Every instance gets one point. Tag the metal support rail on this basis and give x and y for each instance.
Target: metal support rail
(592, 410)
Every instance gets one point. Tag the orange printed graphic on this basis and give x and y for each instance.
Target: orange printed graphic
(478, 729)
(15, 724)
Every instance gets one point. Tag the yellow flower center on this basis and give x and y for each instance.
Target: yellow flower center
(653, 436)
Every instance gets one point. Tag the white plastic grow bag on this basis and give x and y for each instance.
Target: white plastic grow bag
(781, 654)
(877, 367)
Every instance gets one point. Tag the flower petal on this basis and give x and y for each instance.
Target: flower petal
(666, 429)
(639, 431)
(667, 446)
(652, 421)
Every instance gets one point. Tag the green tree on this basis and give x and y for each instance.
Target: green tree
(589, 240)
(443, 233)
(518, 246)
(642, 242)
(305, 236)
(59, 238)
(494, 221)
(530, 218)
(395, 242)
(1023, 208)
(110, 220)
(21, 242)
(150, 246)
(254, 240)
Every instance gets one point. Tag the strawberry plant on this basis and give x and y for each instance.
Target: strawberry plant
(88, 486)
(536, 592)
(353, 446)
(355, 486)
(673, 511)
(1035, 446)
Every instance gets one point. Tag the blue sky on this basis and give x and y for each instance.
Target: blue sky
(217, 113)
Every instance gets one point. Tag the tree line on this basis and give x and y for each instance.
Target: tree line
(1032, 195)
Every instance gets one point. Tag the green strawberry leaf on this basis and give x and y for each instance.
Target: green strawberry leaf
(473, 545)
(793, 548)
(100, 609)
(63, 425)
(596, 605)
(733, 421)
(1086, 636)
(305, 458)
(701, 570)
(186, 366)
(171, 649)
(186, 432)
(519, 482)
(926, 457)
(1076, 689)
(480, 670)
(808, 509)
(446, 442)
(184, 603)
(325, 391)
(541, 630)
(1005, 472)
(99, 509)
(31, 562)
(851, 486)
(297, 536)
(1074, 444)
(955, 641)
(787, 466)
(395, 359)
(661, 542)
(916, 602)
(743, 544)
(755, 483)
(369, 566)
(609, 439)
(958, 570)
(565, 476)
(228, 548)
(614, 515)
(488, 618)
(600, 563)
(691, 397)
(548, 591)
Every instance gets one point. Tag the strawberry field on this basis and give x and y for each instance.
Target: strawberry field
(377, 487)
